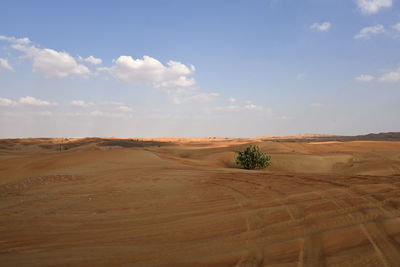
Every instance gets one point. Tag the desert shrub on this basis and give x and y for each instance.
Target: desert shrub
(252, 158)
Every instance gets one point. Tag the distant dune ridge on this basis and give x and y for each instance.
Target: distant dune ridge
(390, 136)
(141, 142)
(325, 201)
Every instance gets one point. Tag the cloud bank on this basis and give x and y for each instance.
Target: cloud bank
(173, 77)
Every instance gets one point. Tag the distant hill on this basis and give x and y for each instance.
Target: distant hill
(390, 136)
(297, 136)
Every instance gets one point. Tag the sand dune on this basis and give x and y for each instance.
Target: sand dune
(182, 202)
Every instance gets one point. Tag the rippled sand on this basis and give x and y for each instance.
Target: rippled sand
(182, 202)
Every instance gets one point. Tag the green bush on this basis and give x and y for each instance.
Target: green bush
(252, 158)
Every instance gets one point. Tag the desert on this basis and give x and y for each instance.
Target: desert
(183, 202)
(200, 133)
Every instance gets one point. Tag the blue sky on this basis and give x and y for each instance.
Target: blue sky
(199, 68)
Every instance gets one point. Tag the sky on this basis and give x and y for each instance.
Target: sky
(226, 68)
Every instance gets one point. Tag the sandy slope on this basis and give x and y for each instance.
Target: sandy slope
(181, 203)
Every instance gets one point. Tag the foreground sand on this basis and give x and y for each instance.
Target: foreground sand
(182, 203)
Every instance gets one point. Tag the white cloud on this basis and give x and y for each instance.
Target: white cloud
(152, 72)
(47, 61)
(392, 76)
(125, 109)
(367, 32)
(316, 105)
(22, 41)
(52, 63)
(388, 76)
(321, 27)
(396, 27)
(231, 100)
(92, 60)
(7, 102)
(364, 78)
(29, 100)
(81, 103)
(372, 6)
(5, 65)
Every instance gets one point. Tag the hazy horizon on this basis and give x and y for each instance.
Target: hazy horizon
(199, 69)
